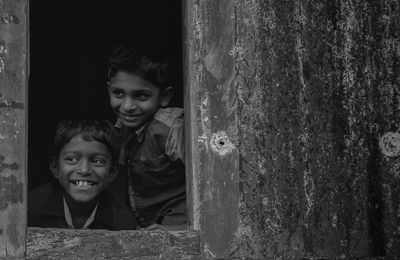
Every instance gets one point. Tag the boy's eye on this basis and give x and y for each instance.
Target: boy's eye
(117, 93)
(143, 96)
(71, 159)
(99, 161)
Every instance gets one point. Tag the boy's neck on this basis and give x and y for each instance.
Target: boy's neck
(80, 212)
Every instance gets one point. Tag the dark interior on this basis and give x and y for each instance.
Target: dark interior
(69, 45)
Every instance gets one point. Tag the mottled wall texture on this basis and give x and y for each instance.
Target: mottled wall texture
(13, 71)
(305, 96)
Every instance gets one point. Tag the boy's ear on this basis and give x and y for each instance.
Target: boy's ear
(166, 96)
(113, 173)
(53, 165)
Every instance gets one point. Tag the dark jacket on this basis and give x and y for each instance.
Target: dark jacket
(152, 170)
(46, 209)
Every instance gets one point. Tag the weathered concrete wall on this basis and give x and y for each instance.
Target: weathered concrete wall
(318, 86)
(54, 244)
(303, 91)
(213, 130)
(13, 70)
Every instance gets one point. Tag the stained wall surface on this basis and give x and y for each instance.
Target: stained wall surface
(13, 107)
(306, 95)
(318, 89)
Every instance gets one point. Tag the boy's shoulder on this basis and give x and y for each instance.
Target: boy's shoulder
(39, 195)
(164, 120)
(169, 116)
(45, 199)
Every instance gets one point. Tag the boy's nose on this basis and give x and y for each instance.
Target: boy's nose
(128, 104)
(84, 168)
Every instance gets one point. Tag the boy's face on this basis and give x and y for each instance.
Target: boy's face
(83, 169)
(134, 100)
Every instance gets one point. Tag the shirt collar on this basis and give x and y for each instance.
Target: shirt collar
(68, 217)
(54, 206)
(105, 211)
(139, 132)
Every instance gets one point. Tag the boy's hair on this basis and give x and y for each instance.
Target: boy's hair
(150, 67)
(91, 128)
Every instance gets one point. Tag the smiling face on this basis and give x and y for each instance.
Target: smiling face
(135, 100)
(84, 169)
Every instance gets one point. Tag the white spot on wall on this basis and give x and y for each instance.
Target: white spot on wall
(309, 191)
(2, 66)
(197, 22)
(208, 251)
(213, 63)
(71, 242)
(334, 220)
(3, 51)
(7, 19)
(390, 144)
(205, 120)
(221, 144)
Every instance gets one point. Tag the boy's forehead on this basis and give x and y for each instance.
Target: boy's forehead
(129, 80)
(84, 143)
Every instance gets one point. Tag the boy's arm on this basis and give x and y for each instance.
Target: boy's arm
(175, 144)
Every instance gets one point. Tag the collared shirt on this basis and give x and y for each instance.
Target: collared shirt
(46, 209)
(152, 158)
(68, 217)
(171, 118)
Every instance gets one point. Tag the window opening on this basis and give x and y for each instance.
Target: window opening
(69, 45)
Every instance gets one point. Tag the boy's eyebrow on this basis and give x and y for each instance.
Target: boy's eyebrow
(141, 90)
(79, 152)
(113, 86)
(105, 154)
(69, 151)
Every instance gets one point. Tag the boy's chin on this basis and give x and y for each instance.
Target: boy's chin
(84, 200)
(131, 125)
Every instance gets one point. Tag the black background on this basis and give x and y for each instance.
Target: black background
(69, 45)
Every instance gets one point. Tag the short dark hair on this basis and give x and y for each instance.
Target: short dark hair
(151, 67)
(90, 128)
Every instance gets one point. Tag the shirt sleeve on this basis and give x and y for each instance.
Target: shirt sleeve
(175, 145)
(172, 117)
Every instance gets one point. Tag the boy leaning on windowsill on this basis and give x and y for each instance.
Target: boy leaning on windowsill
(83, 163)
(152, 140)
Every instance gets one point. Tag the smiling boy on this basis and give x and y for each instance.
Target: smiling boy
(152, 139)
(84, 162)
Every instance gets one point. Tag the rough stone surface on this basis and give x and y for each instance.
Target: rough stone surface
(101, 244)
(13, 71)
(212, 105)
(307, 93)
(318, 86)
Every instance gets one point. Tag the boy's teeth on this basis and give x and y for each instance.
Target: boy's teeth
(83, 183)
